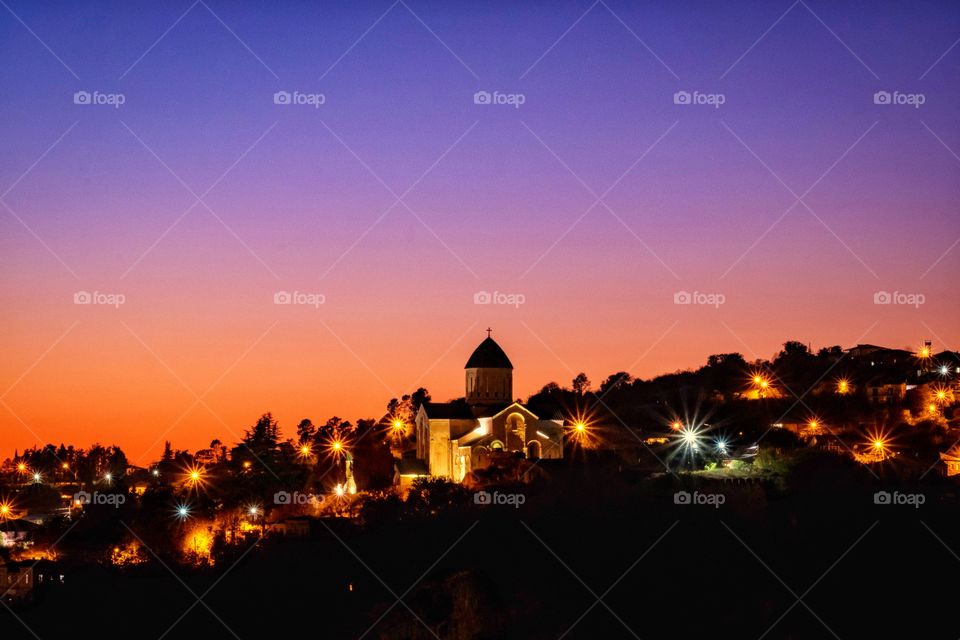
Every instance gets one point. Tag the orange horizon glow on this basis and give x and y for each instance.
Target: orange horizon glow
(129, 398)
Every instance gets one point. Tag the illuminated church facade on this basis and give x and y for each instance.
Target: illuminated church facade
(454, 438)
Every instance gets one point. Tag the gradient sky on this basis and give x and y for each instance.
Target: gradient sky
(98, 198)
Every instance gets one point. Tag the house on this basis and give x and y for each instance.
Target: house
(16, 582)
(407, 470)
(17, 532)
(950, 462)
(292, 527)
(886, 392)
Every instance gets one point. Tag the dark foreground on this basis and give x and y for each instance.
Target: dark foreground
(591, 556)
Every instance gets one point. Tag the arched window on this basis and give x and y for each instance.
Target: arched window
(533, 450)
(496, 445)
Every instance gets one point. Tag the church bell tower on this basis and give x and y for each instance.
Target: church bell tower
(489, 375)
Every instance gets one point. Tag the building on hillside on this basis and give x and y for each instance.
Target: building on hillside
(16, 583)
(456, 437)
(950, 462)
(885, 392)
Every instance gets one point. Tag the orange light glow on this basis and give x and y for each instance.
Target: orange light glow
(196, 476)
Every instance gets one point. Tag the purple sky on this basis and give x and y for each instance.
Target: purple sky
(496, 196)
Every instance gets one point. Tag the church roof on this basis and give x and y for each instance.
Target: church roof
(459, 410)
(488, 355)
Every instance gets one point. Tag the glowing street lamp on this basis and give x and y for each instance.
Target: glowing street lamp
(253, 511)
(305, 451)
(339, 490)
(22, 468)
(37, 477)
(182, 512)
(940, 393)
(690, 438)
(761, 383)
(398, 428)
(721, 446)
(6, 511)
(676, 425)
(843, 386)
(108, 477)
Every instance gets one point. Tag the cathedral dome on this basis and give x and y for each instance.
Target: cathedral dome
(489, 355)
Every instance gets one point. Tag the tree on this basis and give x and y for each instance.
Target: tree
(615, 381)
(417, 399)
(305, 431)
(793, 347)
(549, 388)
(581, 384)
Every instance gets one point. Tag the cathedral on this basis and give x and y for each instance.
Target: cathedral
(455, 437)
